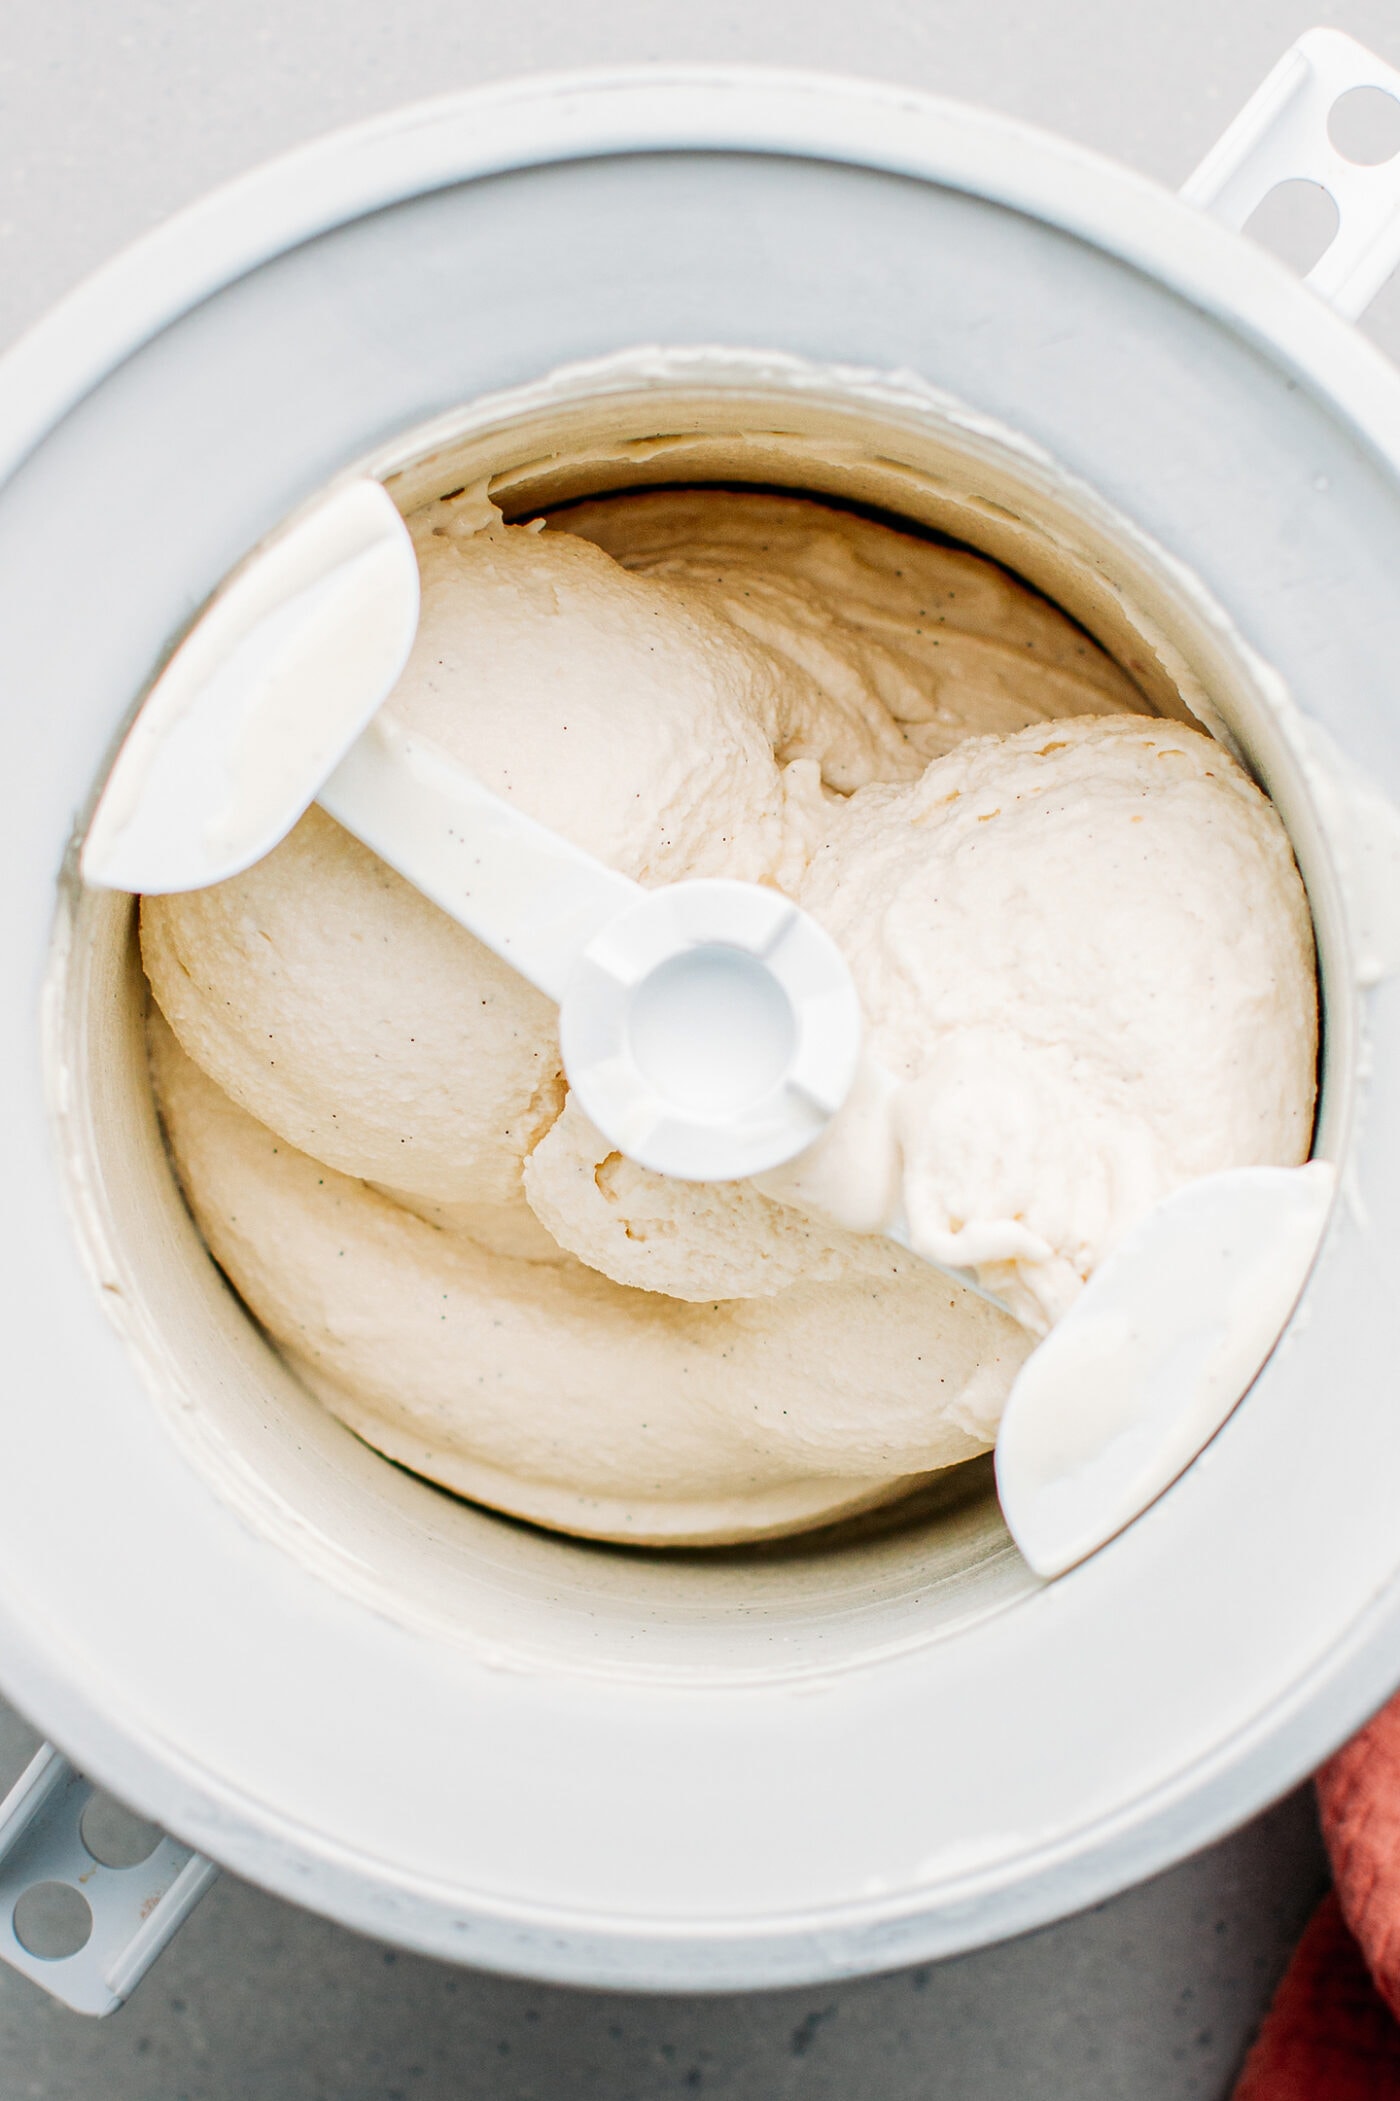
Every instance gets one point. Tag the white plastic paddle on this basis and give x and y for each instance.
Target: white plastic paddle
(710, 1029)
(1167, 1335)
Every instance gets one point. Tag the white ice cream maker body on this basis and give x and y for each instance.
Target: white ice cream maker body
(764, 1765)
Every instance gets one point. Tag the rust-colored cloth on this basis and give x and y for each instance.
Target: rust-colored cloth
(1358, 1793)
(1332, 2033)
(1329, 2035)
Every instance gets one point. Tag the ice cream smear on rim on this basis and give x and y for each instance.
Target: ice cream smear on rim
(1083, 957)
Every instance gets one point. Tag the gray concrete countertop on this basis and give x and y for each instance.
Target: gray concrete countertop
(110, 119)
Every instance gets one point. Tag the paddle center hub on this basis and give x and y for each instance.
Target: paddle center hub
(711, 1030)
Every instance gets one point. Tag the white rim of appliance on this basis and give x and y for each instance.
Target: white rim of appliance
(66, 1642)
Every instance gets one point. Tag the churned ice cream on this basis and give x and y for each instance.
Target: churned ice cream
(1082, 948)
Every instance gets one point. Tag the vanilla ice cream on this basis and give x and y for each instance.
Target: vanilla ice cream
(1082, 947)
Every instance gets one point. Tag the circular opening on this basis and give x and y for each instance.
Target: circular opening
(115, 1836)
(712, 1030)
(925, 1557)
(52, 1920)
(1297, 222)
(1364, 126)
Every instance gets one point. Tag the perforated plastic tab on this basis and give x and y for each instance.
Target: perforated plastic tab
(133, 1910)
(1282, 135)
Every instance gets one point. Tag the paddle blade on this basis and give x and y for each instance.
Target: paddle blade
(261, 700)
(1164, 1340)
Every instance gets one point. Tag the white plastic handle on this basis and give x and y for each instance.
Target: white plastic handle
(709, 1028)
(1281, 135)
(522, 889)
